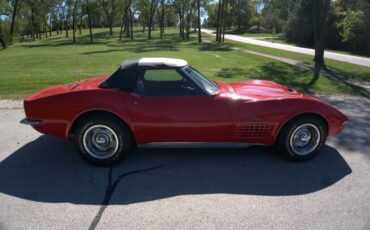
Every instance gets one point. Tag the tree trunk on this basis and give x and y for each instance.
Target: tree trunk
(224, 15)
(122, 24)
(319, 13)
(33, 23)
(131, 25)
(111, 27)
(121, 30)
(218, 26)
(151, 13)
(162, 19)
(181, 29)
(127, 25)
(3, 42)
(74, 22)
(13, 17)
(80, 25)
(221, 22)
(45, 31)
(50, 26)
(66, 27)
(89, 20)
(199, 24)
(2, 39)
(182, 23)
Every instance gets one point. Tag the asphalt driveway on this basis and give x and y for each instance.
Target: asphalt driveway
(45, 185)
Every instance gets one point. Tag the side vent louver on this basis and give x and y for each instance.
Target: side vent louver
(252, 131)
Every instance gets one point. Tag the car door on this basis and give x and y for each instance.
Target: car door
(167, 106)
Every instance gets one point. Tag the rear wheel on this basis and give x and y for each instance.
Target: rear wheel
(103, 140)
(302, 138)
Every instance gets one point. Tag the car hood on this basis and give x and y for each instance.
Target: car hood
(87, 84)
(258, 90)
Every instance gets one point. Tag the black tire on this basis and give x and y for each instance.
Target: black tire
(111, 130)
(289, 140)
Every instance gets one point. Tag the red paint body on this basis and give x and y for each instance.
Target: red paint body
(251, 111)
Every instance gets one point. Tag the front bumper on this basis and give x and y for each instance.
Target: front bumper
(25, 121)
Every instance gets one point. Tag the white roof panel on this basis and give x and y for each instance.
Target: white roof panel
(172, 62)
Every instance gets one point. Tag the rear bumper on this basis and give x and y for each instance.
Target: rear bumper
(25, 121)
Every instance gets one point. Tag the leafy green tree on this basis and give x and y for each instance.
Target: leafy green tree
(355, 30)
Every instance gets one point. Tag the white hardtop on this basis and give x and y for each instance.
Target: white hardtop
(171, 62)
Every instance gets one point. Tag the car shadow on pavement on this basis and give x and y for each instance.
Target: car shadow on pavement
(48, 169)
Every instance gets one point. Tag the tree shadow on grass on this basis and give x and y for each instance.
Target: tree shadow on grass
(142, 47)
(60, 43)
(212, 47)
(285, 74)
(49, 170)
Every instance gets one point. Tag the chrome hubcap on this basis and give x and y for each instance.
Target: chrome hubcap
(304, 139)
(100, 141)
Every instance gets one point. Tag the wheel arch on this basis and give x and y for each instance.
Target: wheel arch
(297, 116)
(95, 112)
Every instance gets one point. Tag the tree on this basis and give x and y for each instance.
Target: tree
(299, 25)
(153, 6)
(15, 7)
(320, 14)
(126, 20)
(89, 19)
(199, 23)
(161, 26)
(185, 9)
(74, 20)
(110, 10)
(3, 42)
(218, 24)
(221, 20)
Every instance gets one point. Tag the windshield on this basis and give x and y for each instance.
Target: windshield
(206, 84)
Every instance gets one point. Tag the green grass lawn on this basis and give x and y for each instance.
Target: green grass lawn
(27, 67)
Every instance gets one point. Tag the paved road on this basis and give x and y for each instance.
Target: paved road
(45, 185)
(328, 54)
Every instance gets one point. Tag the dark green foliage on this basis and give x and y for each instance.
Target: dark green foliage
(299, 27)
(347, 26)
(3, 36)
(354, 31)
(333, 37)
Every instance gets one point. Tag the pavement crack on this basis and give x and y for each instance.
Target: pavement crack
(110, 189)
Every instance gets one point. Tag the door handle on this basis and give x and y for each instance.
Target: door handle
(136, 95)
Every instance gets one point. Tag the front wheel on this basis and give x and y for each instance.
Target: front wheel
(302, 138)
(103, 140)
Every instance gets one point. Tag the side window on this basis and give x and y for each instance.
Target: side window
(164, 82)
(162, 75)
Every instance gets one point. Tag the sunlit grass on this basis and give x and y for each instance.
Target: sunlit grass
(27, 67)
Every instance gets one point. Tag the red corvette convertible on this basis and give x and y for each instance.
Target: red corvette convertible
(165, 100)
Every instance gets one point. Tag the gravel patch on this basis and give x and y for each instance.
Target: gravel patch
(11, 104)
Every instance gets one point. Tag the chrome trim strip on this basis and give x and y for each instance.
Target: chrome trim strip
(345, 123)
(25, 121)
